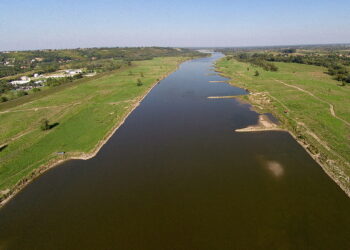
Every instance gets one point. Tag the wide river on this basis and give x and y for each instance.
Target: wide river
(176, 176)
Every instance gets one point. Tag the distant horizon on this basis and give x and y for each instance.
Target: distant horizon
(188, 47)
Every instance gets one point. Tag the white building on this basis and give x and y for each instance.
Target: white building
(54, 76)
(25, 78)
(73, 72)
(20, 82)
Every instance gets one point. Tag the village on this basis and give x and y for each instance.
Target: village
(38, 80)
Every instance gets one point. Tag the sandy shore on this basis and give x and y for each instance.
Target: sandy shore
(78, 156)
(264, 124)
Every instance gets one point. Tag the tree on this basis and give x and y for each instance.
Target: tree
(44, 124)
(139, 82)
(256, 73)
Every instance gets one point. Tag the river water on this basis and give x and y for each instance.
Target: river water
(177, 176)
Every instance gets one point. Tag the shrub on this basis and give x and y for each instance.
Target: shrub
(256, 73)
(139, 82)
(21, 93)
(44, 124)
(3, 99)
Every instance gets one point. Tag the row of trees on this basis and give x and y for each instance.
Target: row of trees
(336, 66)
(255, 60)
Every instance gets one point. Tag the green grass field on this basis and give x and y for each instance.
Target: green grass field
(85, 111)
(308, 102)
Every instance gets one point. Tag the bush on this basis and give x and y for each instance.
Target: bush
(256, 73)
(21, 93)
(3, 99)
(44, 124)
(139, 82)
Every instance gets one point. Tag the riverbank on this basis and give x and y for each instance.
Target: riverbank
(297, 111)
(121, 107)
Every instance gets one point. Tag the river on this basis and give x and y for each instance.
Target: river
(175, 175)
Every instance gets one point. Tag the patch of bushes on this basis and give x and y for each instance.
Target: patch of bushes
(139, 82)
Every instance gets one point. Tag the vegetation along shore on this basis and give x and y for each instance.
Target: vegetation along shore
(310, 100)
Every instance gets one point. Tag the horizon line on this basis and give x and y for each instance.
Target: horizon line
(188, 47)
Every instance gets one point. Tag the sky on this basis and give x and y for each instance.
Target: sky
(54, 24)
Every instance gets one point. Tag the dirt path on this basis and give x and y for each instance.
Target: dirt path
(36, 109)
(331, 107)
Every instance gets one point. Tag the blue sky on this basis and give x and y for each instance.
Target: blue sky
(37, 24)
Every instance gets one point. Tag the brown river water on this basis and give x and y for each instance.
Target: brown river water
(175, 175)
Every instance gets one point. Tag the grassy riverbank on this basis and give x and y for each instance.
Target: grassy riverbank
(308, 102)
(82, 115)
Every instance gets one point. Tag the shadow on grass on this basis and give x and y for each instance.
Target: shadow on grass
(51, 126)
(2, 147)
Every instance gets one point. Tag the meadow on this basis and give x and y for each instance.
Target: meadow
(310, 104)
(81, 114)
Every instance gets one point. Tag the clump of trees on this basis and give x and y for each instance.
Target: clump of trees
(289, 50)
(256, 60)
(339, 73)
(5, 86)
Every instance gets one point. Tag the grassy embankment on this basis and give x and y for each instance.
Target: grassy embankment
(308, 102)
(86, 111)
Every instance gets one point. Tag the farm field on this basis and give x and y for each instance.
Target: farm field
(308, 102)
(82, 114)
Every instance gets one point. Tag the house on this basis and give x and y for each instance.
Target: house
(54, 76)
(73, 72)
(39, 82)
(25, 78)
